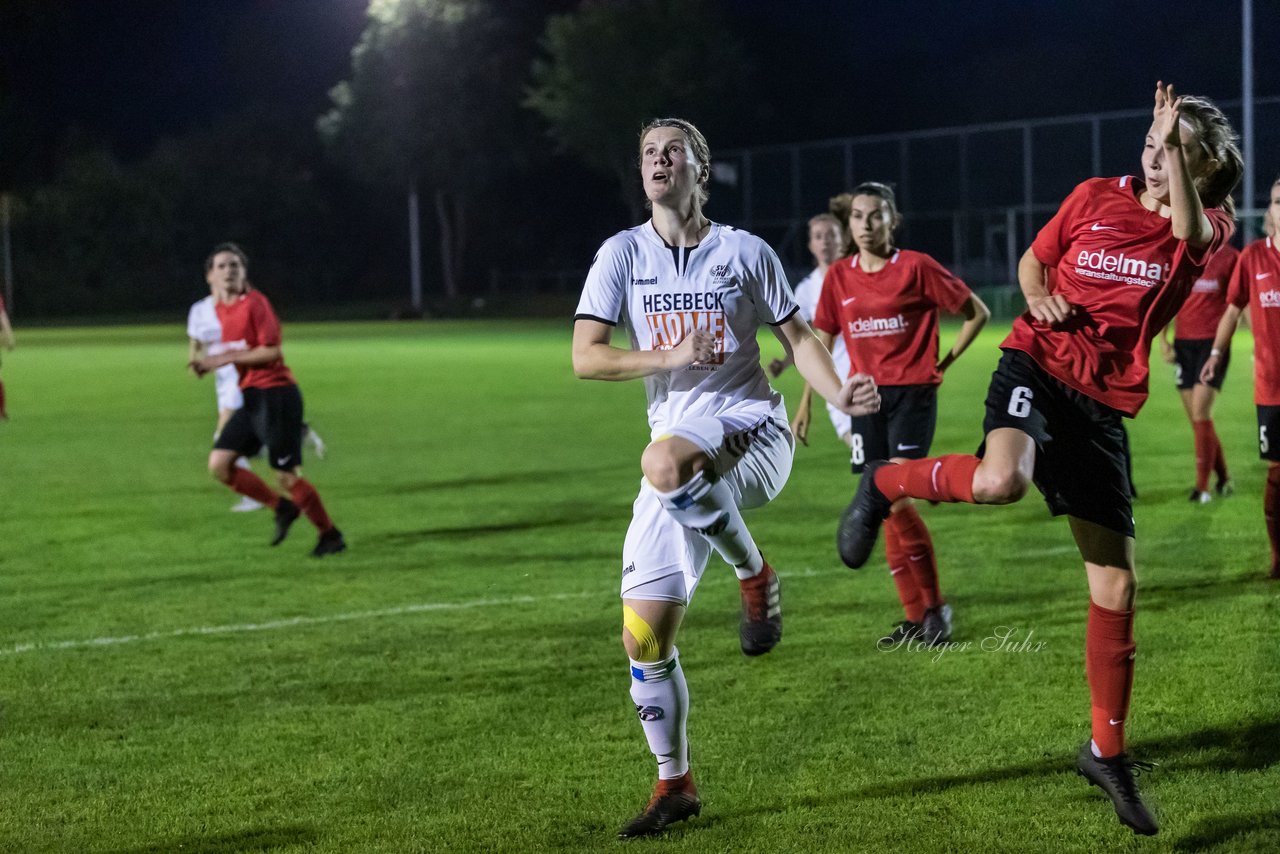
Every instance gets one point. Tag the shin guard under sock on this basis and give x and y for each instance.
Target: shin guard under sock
(661, 697)
(1108, 655)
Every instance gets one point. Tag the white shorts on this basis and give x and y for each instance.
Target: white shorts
(227, 383)
(662, 559)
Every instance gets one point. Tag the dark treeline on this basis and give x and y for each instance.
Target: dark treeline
(135, 136)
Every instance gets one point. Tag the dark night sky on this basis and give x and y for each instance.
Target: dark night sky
(127, 72)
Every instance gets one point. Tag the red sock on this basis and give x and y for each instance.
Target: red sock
(306, 497)
(917, 545)
(1108, 662)
(946, 478)
(900, 571)
(1204, 452)
(1271, 511)
(3, 414)
(247, 483)
(1219, 461)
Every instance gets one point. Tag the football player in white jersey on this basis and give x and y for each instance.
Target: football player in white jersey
(204, 335)
(826, 237)
(692, 294)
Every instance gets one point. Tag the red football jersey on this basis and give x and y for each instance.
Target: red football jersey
(889, 319)
(1256, 282)
(1126, 274)
(1200, 314)
(251, 322)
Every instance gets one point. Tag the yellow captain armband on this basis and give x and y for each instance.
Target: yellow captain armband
(646, 640)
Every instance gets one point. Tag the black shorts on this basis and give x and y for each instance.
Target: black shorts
(902, 428)
(1189, 356)
(1269, 433)
(271, 417)
(1082, 463)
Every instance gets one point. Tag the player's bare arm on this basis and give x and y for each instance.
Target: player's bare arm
(1045, 307)
(6, 331)
(1183, 154)
(594, 358)
(976, 314)
(800, 424)
(252, 358)
(855, 396)
(1221, 341)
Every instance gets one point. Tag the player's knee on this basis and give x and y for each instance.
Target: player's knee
(639, 639)
(999, 485)
(221, 468)
(287, 480)
(663, 468)
(1116, 591)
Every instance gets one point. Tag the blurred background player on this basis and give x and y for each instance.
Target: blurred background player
(826, 242)
(693, 294)
(272, 412)
(1127, 252)
(1194, 330)
(883, 302)
(7, 342)
(1256, 283)
(204, 334)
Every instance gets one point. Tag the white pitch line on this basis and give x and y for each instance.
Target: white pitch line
(238, 628)
(421, 608)
(291, 622)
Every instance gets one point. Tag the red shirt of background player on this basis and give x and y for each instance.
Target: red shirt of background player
(889, 319)
(1256, 283)
(1126, 274)
(1198, 319)
(250, 322)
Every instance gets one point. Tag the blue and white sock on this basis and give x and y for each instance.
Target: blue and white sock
(662, 701)
(707, 507)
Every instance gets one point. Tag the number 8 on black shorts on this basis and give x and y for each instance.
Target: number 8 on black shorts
(903, 427)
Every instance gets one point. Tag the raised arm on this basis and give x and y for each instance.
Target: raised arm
(594, 358)
(1187, 213)
(976, 314)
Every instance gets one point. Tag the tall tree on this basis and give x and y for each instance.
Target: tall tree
(610, 66)
(433, 100)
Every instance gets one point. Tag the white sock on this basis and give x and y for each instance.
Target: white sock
(662, 701)
(242, 463)
(707, 507)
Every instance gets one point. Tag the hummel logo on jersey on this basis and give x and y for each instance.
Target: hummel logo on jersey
(1261, 275)
(1269, 299)
(1097, 226)
(847, 301)
(635, 283)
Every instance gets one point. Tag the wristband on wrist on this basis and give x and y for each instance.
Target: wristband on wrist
(1215, 352)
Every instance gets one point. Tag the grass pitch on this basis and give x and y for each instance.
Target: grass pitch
(455, 681)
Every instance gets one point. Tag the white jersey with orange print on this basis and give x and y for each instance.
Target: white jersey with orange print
(203, 326)
(729, 284)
